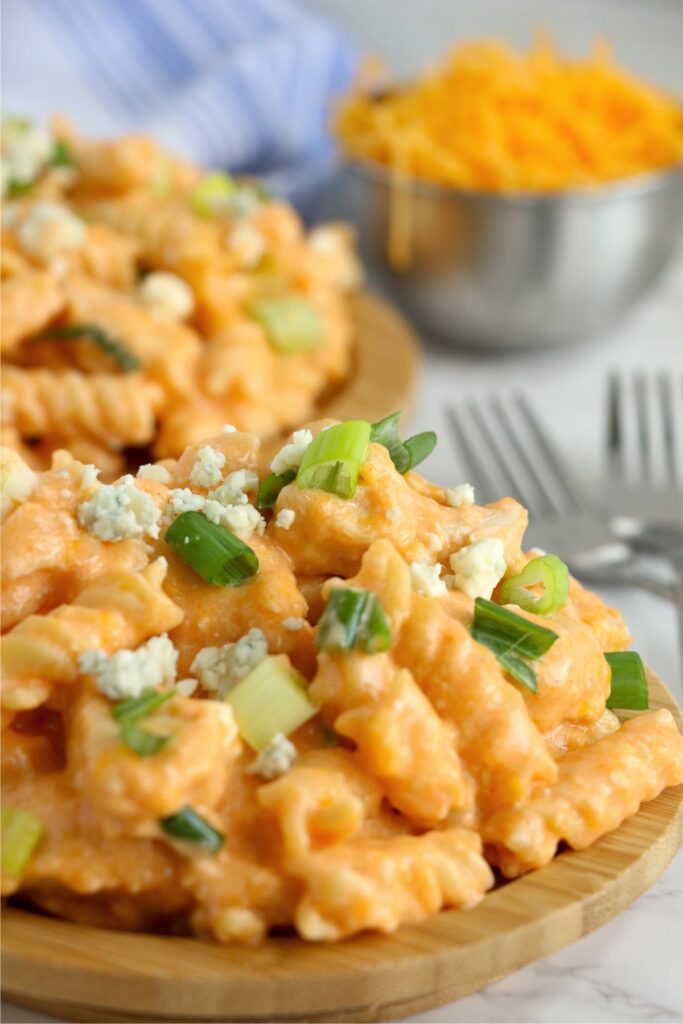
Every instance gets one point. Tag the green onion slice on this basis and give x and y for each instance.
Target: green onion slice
(270, 487)
(512, 638)
(21, 832)
(212, 195)
(419, 446)
(629, 683)
(16, 187)
(405, 455)
(218, 194)
(290, 322)
(190, 827)
(214, 553)
(99, 337)
(61, 155)
(271, 699)
(551, 573)
(353, 618)
(334, 457)
(129, 712)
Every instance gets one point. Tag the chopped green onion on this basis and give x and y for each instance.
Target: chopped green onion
(405, 455)
(214, 553)
(99, 337)
(21, 832)
(218, 194)
(190, 827)
(270, 487)
(271, 699)
(385, 432)
(334, 457)
(61, 155)
(212, 194)
(512, 638)
(128, 712)
(134, 708)
(291, 323)
(528, 638)
(629, 683)
(419, 446)
(16, 187)
(547, 570)
(508, 659)
(353, 619)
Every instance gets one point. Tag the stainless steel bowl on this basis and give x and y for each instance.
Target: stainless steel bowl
(520, 270)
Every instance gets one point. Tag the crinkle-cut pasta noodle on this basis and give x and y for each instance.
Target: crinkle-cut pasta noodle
(109, 256)
(117, 610)
(83, 449)
(130, 795)
(597, 788)
(88, 863)
(268, 598)
(29, 302)
(496, 739)
(110, 408)
(120, 242)
(325, 798)
(329, 534)
(47, 556)
(418, 768)
(573, 679)
(125, 164)
(168, 235)
(378, 884)
(169, 351)
(400, 739)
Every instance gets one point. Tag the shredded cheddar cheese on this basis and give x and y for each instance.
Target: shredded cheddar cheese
(495, 120)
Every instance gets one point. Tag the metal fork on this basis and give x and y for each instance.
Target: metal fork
(507, 451)
(644, 462)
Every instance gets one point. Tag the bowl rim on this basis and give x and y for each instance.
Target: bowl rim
(613, 191)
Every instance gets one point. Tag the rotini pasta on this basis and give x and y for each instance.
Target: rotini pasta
(236, 719)
(128, 259)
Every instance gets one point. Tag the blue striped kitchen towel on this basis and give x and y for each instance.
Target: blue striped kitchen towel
(240, 84)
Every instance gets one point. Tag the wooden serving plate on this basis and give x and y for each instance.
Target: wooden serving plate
(89, 974)
(386, 363)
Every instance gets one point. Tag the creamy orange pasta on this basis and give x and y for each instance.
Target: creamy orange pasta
(144, 303)
(312, 692)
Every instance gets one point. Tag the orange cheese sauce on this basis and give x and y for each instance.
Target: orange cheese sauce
(421, 765)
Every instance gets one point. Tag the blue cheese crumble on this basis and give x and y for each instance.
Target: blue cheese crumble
(206, 471)
(120, 511)
(276, 758)
(128, 673)
(478, 568)
(219, 669)
(290, 456)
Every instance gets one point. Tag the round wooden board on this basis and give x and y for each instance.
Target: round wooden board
(386, 364)
(89, 974)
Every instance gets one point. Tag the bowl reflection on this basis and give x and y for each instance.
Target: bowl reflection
(513, 271)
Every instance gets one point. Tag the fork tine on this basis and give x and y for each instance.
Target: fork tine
(475, 465)
(615, 434)
(665, 390)
(559, 468)
(494, 449)
(645, 446)
(543, 502)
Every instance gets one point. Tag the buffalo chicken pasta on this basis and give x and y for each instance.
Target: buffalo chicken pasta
(311, 692)
(145, 303)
